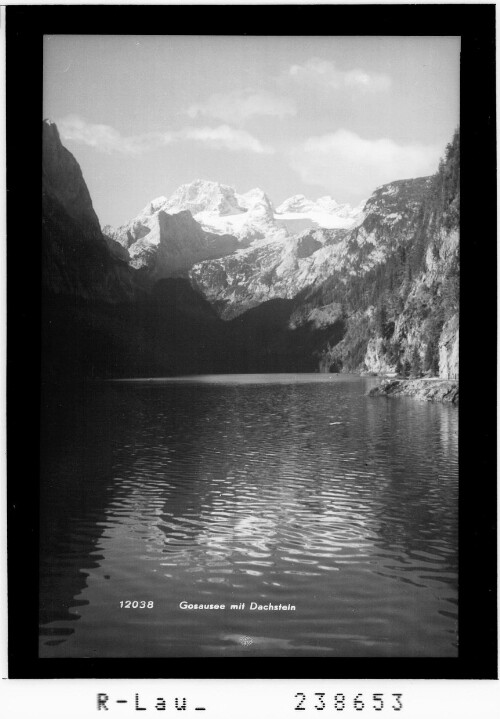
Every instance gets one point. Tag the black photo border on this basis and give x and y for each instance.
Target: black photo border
(475, 24)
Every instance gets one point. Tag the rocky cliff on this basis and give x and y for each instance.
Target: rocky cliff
(76, 258)
(167, 244)
(173, 244)
(429, 390)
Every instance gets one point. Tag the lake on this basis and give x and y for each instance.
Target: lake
(247, 491)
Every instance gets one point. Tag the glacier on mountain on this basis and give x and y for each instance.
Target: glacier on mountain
(249, 217)
(324, 212)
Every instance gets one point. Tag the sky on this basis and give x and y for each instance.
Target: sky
(308, 115)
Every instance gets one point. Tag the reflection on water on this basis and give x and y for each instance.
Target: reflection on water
(291, 489)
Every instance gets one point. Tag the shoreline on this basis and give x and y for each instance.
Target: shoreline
(431, 389)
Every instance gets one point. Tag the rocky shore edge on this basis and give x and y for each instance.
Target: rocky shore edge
(430, 390)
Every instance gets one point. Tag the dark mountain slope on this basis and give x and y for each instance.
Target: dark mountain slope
(264, 340)
(173, 331)
(101, 318)
(76, 259)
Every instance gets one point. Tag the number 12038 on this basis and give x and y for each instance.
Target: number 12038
(136, 604)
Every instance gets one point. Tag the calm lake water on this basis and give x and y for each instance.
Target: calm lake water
(274, 489)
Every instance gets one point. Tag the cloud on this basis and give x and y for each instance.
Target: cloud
(239, 105)
(351, 166)
(105, 138)
(224, 137)
(324, 74)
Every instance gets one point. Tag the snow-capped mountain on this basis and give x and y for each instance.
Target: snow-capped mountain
(249, 217)
(282, 268)
(324, 212)
(254, 219)
(204, 196)
(165, 240)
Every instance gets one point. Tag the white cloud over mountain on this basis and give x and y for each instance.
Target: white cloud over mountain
(239, 105)
(105, 138)
(348, 164)
(323, 73)
(224, 137)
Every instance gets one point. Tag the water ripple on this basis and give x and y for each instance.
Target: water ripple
(303, 492)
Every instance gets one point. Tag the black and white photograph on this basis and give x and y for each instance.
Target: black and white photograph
(251, 279)
(250, 324)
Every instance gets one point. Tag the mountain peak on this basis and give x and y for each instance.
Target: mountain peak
(252, 197)
(296, 203)
(205, 196)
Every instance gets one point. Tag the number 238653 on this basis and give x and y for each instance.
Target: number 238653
(341, 702)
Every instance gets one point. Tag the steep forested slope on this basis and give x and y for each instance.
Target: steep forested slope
(402, 314)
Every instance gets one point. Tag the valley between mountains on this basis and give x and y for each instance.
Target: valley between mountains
(212, 281)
